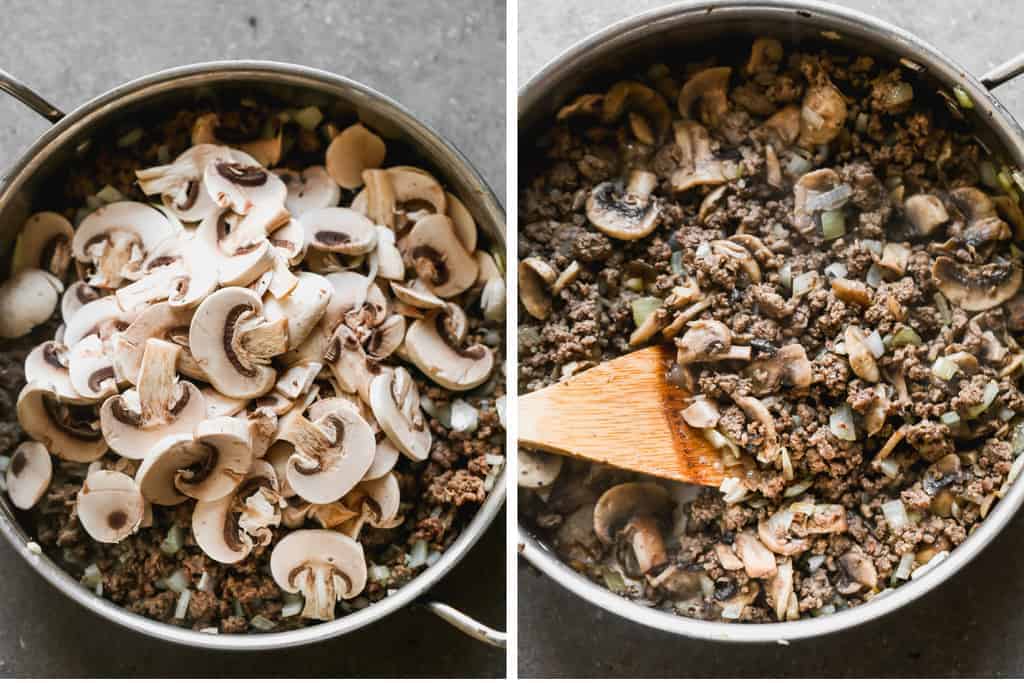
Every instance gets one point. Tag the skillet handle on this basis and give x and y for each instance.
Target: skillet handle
(465, 623)
(12, 86)
(1003, 73)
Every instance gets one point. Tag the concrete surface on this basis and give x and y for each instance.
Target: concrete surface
(968, 627)
(443, 60)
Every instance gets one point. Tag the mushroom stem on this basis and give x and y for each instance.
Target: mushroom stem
(263, 340)
(309, 440)
(156, 381)
(320, 586)
(380, 197)
(648, 545)
(112, 260)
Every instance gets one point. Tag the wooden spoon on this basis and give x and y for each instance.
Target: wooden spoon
(622, 413)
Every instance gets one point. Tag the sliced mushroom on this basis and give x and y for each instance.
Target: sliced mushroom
(633, 508)
(862, 361)
(895, 257)
(756, 410)
(851, 291)
(325, 566)
(774, 532)
(161, 321)
(395, 402)
(440, 260)
(811, 185)
(732, 250)
(239, 265)
(630, 96)
(758, 561)
(90, 370)
(462, 220)
(976, 288)
(709, 88)
(376, 501)
(925, 212)
(47, 365)
(302, 309)
(709, 341)
(26, 300)
(537, 469)
(297, 380)
(628, 213)
(430, 346)
(339, 230)
(983, 224)
(351, 152)
(702, 413)
(160, 406)
(228, 528)
(206, 465)
(233, 344)
(589, 104)
(764, 53)
(535, 279)
(398, 195)
(859, 571)
(70, 432)
(114, 240)
(387, 256)
(310, 189)
(822, 114)
(346, 357)
(44, 243)
(28, 474)
(180, 183)
(103, 317)
(243, 186)
(788, 366)
(698, 164)
(780, 589)
(109, 506)
(331, 455)
(76, 295)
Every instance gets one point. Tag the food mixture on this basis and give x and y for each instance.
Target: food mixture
(831, 251)
(252, 375)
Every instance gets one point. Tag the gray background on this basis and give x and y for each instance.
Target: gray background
(443, 60)
(967, 627)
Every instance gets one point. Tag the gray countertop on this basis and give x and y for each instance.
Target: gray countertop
(445, 62)
(965, 628)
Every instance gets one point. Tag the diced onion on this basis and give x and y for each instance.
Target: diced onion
(205, 582)
(895, 514)
(441, 413)
(173, 541)
(261, 623)
(875, 345)
(130, 138)
(786, 276)
(677, 263)
(787, 464)
(798, 488)
(109, 195)
(991, 391)
(797, 165)
(613, 580)
(804, 282)
(733, 489)
(898, 95)
(499, 405)
(703, 250)
(814, 562)
(944, 368)
(91, 576)
(862, 122)
(635, 284)
(874, 246)
(643, 307)
(433, 557)
(833, 224)
(905, 566)
(889, 467)
(1006, 414)
(181, 607)
(732, 611)
(950, 419)
(874, 276)
(211, 630)
(177, 581)
(5, 461)
(464, 417)
(987, 171)
(292, 605)
(834, 270)
(378, 573)
(721, 443)
(841, 423)
(417, 554)
(828, 201)
(1015, 469)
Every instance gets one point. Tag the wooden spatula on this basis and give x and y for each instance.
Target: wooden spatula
(622, 413)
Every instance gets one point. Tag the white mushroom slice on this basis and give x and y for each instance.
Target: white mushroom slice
(385, 456)
(290, 241)
(219, 405)
(227, 529)
(462, 219)
(277, 456)
(275, 402)
(349, 363)
(44, 243)
(262, 424)
(180, 183)
(68, 431)
(233, 344)
(181, 271)
(90, 371)
(377, 500)
(47, 365)
(390, 265)
(428, 346)
(26, 300)
(395, 402)
(325, 566)
(416, 294)
(412, 185)
(207, 465)
(102, 317)
(302, 309)
(331, 454)
(339, 230)
(440, 260)
(309, 189)
(243, 187)
(351, 152)
(238, 267)
(160, 406)
(114, 240)
(28, 474)
(110, 506)
(537, 469)
(386, 338)
(162, 321)
(297, 379)
(75, 296)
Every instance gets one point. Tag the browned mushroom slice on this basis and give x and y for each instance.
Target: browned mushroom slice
(976, 288)
(351, 152)
(822, 114)
(758, 561)
(709, 88)
(808, 188)
(764, 53)
(698, 165)
(633, 509)
(629, 96)
(925, 212)
(788, 366)
(862, 361)
(709, 341)
(537, 469)
(984, 225)
(859, 573)
(325, 566)
(625, 213)
(589, 104)
(438, 256)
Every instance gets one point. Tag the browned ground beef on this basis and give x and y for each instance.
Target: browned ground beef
(951, 442)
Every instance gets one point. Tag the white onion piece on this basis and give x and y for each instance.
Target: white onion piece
(895, 514)
(841, 423)
(827, 201)
(875, 345)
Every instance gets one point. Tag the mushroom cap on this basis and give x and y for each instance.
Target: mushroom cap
(28, 474)
(925, 212)
(385, 456)
(110, 506)
(212, 338)
(234, 266)
(388, 257)
(428, 347)
(710, 88)
(243, 186)
(126, 232)
(67, 431)
(416, 294)
(395, 402)
(344, 456)
(412, 184)
(76, 295)
(462, 221)
(47, 364)
(822, 114)
(90, 370)
(537, 469)
(351, 152)
(620, 503)
(629, 96)
(302, 308)
(976, 288)
(43, 243)
(383, 496)
(311, 549)
(339, 230)
(180, 183)
(698, 165)
(102, 316)
(218, 525)
(621, 214)
(160, 321)
(440, 260)
(27, 299)
(309, 189)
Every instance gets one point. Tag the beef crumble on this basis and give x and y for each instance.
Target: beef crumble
(831, 251)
